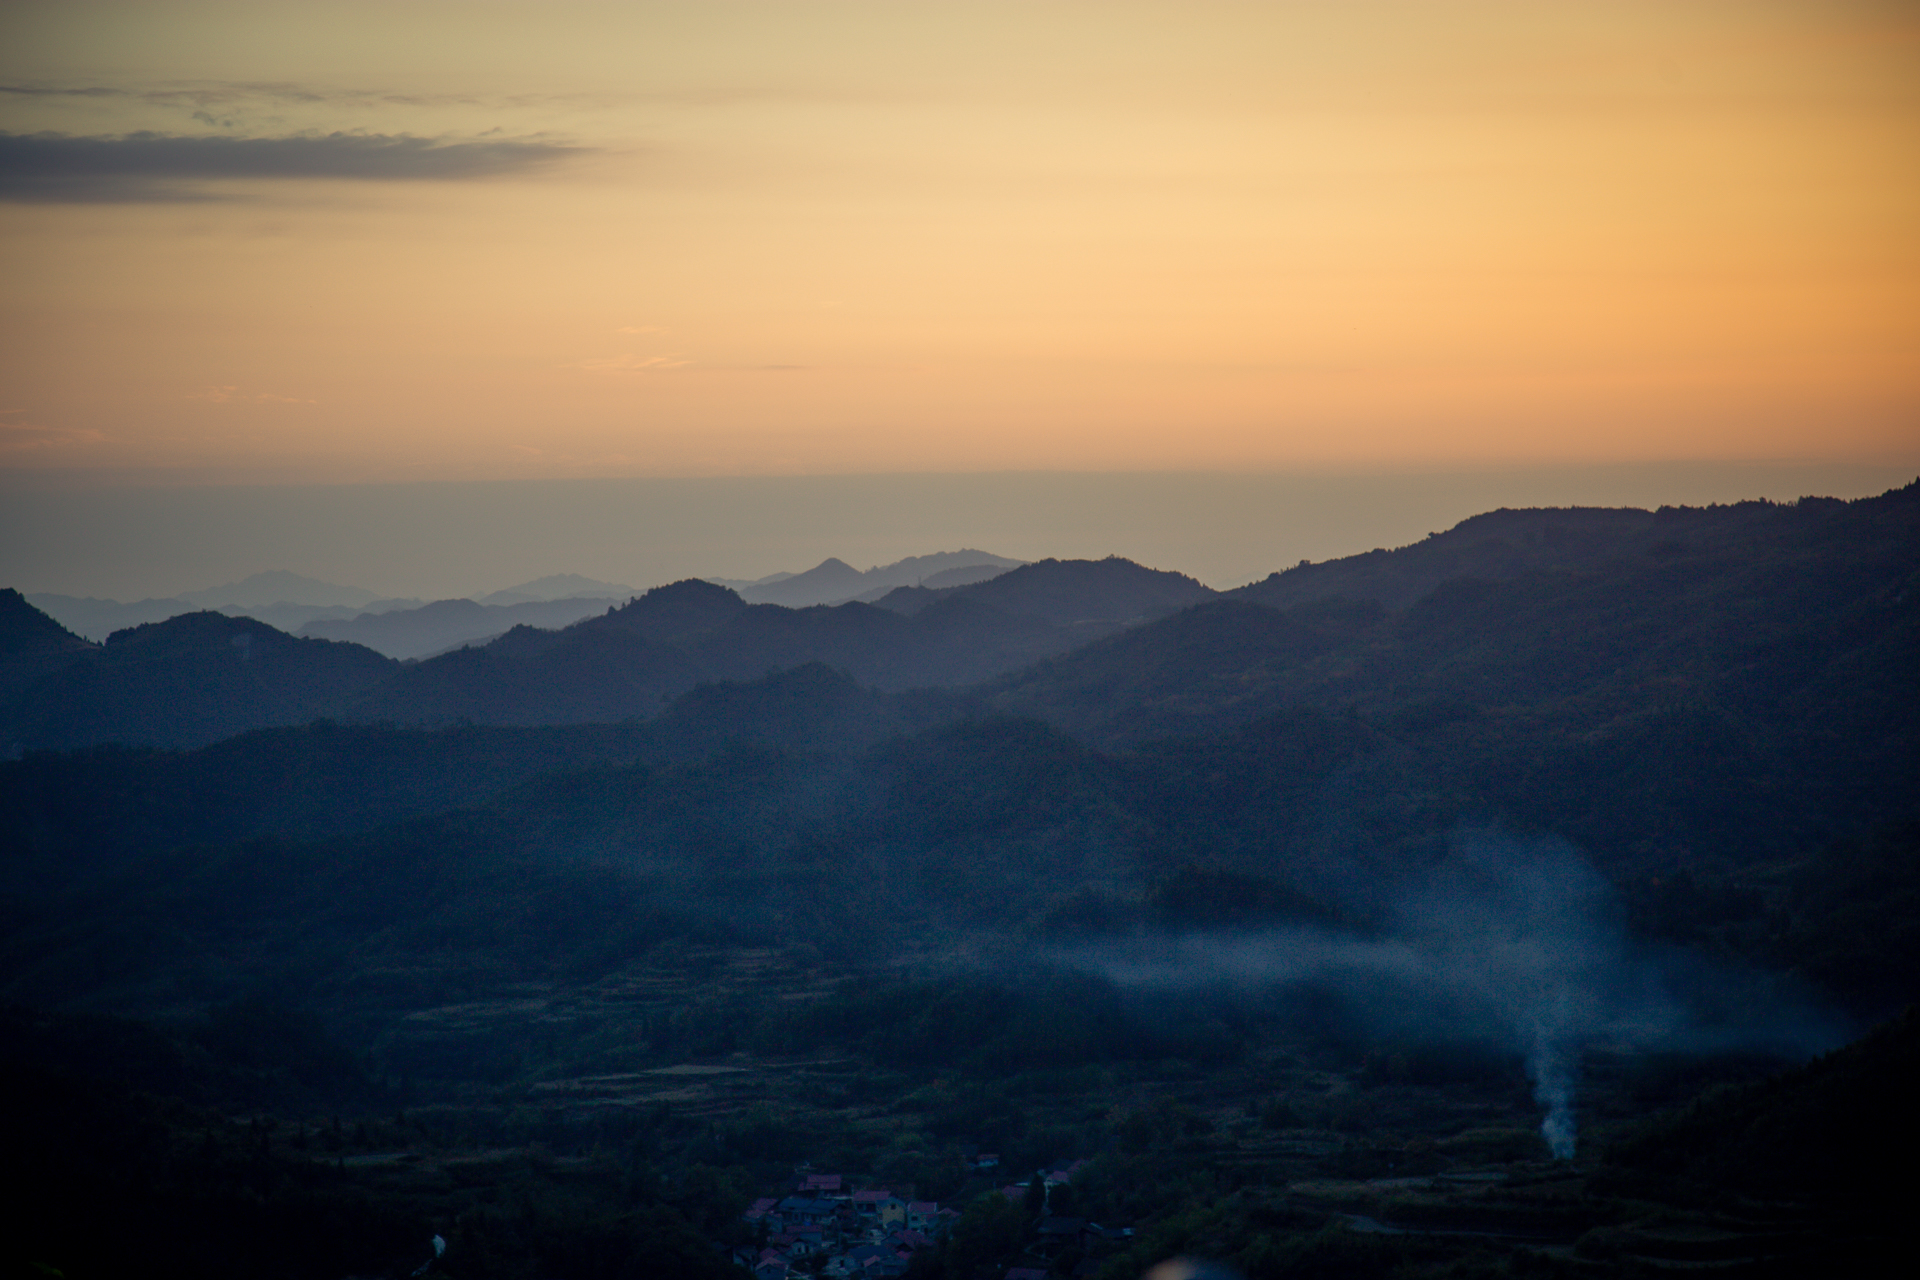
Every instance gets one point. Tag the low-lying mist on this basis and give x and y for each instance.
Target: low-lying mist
(1520, 944)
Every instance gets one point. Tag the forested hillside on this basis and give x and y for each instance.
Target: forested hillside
(1266, 904)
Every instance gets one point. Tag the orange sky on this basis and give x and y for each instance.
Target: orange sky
(802, 237)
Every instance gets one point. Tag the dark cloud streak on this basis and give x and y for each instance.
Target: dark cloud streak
(36, 91)
(157, 167)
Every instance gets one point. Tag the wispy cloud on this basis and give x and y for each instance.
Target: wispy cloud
(145, 167)
(32, 437)
(234, 395)
(632, 364)
(61, 91)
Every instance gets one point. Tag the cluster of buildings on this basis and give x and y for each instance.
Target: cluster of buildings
(839, 1232)
(823, 1226)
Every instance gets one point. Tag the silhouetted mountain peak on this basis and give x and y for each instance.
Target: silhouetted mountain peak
(1070, 591)
(521, 642)
(831, 579)
(194, 631)
(677, 609)
(557, 586)
(32, 645)
(26, 630)
(277, 586)
(834, 581)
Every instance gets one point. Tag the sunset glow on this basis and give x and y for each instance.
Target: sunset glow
(799, 237)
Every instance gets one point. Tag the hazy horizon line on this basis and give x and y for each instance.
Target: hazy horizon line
(438, 539)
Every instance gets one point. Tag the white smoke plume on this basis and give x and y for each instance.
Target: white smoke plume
(1520, 943)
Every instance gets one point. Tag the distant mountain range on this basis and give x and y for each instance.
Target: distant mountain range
(558, 586)
(621, 662)
(450, 624)
(277, 586)
(834, 581)
(1747, 631)
(413, 628)
(290, 602)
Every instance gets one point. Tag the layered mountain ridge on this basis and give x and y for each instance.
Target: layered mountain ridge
(1575, 599)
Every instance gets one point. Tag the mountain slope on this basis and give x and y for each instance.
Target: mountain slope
(189, 680)
(1072, 593)
(834, 581)
(1649, 707)
(32, 645)
(558, 586)
(831, 579)
(97, 619)
(415, 633)
(277, 586)
(1500, 545)
(631, 659)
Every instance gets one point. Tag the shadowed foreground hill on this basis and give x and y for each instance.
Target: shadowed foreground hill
(189, 680)
(1859, 1094)
(1504, 544)
(802, 811)
(67, 816)
(864, 850)
(1648, 702)
(32, 645)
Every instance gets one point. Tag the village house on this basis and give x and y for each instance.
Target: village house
(879, 1260)
(880, 1207)
(909, 1241)
(822, 1227)
(804, 1211)
(803, 1243)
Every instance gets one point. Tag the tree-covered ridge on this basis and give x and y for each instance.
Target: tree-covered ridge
(1741, 607)
(826, 819)
(32, 645)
